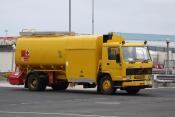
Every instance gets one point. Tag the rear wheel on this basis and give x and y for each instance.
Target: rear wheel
(62, 85)
(106, 85)
(36, 83)
(132, 91)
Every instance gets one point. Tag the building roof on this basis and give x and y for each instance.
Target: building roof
(148, 37)
(156, 42)
(8, 38)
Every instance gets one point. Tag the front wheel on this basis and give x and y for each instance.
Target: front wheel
(132, 91)
(106, 85)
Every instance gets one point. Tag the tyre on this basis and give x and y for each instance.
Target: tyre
(132, 91)
(106, 85)
(36, 83)
(62, 85)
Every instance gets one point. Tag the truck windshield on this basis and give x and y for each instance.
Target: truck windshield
(135, 54)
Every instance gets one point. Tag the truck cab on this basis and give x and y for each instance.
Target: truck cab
(127, 66)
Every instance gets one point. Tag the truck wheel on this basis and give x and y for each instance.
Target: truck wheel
(60, 86)
(132, 91)
(35, 83)
(106, 85)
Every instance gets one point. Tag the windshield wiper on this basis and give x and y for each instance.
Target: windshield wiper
(131, 60)
(145, 61)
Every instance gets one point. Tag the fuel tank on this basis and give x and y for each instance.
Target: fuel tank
(51, 50)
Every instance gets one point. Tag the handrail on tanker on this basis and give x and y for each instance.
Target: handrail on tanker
(48, 33)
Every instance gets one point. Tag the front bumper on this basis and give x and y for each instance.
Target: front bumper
(141, 84)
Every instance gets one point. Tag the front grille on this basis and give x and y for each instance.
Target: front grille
(138, 71)
(139, 77)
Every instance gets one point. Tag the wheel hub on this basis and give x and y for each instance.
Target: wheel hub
(106, 85)
(33, 83)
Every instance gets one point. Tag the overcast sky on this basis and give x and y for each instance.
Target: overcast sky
(131, 16)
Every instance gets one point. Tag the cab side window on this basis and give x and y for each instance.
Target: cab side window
(112, 53)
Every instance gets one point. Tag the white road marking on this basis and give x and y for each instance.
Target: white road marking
(25, 103)
(16, 104)
(11, 104)
(64, 114)
(109, 103)
(100, 98)
(80, 99)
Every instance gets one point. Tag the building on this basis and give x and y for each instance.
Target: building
(7, 53)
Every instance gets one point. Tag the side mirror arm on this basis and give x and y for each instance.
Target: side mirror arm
(118, 58)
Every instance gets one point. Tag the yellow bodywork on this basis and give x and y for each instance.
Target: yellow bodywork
(76, 58)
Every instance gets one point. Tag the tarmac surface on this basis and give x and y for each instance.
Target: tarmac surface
(78, 102)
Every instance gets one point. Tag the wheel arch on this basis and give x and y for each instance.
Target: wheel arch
(101, 87)
(101, 74)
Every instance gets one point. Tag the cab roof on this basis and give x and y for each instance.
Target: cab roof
(125, 44)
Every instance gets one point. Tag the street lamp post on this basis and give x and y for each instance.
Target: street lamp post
(92, 17)
(167, 70)
(69, 16)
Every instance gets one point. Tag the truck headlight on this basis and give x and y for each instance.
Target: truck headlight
(150, 77)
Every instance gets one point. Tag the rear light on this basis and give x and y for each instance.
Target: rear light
(150, 77)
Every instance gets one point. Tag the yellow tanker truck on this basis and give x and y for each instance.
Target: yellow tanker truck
(59, 59)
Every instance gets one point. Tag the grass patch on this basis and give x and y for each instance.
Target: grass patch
(3, 78)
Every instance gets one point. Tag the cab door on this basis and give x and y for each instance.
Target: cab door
(111, 64)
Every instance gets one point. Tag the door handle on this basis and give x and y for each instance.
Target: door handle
(108, 64)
